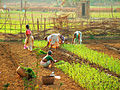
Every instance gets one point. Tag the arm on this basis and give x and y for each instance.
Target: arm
(79, 39)
(32, 42)
(48, 44)
(73, 39)
(51, 59)
(48, 40)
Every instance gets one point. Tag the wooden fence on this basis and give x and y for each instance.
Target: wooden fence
(42, 26)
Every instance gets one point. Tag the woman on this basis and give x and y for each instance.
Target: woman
(29, 39)
(54, 40)
(77, 38)
(47, 61)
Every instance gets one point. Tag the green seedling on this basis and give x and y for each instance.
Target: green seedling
(89, 77)
(6, 86)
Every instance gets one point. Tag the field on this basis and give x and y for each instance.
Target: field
(17, 18)
(92, 65)
(16, 55)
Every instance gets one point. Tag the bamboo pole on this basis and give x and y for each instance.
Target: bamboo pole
(44, 26)
(15, 29)
(49, 21)
(54, 22)
(20, 23)
(5, 21)
(33, 23)
(9, 21)
(112, 11)
(41, 22)
(25, 11)
(37, 24)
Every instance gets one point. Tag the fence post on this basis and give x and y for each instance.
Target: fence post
(82, 23)
(5, 21)
(15, 28)
(10, 22)
(44, 26)
(41, 22)
(33, 23)
(20, 24)
(54, 22)
(37, 24)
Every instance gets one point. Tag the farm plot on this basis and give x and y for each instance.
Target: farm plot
(68, 69)
(12, 54)
(21, 56)
(89, 77)
(95, 57)
(102, 48)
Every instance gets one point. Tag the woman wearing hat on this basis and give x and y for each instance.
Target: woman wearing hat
(47, 61)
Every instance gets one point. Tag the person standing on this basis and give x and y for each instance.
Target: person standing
(29, 41)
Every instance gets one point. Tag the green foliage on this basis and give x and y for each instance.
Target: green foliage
(40, 44)
(92, 37)
(60, 62)
(39, 51)
(28, 83)
(89, 77)
(29, 71)
(42, 52)
(6, 86)
(94, 57)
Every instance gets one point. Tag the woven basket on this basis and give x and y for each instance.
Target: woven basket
(48, 80)
(21, 72)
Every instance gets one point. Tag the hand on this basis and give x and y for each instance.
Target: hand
(55, 60)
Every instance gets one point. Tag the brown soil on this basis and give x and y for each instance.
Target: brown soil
(117, 45)
(102, 48)
(12, 54)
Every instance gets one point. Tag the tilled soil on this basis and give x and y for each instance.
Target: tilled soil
(12, 54)
(102, 48)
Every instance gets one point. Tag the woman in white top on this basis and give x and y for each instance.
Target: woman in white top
(54, 40)
(77, 38)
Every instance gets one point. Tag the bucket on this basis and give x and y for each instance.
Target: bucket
(57, 77)
(48, 80)
(21, 72)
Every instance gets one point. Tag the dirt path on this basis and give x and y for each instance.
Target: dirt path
(12, 54)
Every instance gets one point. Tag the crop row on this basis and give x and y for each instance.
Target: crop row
(85, 75)
(94, 57)
(89, 77)
(40, 44)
